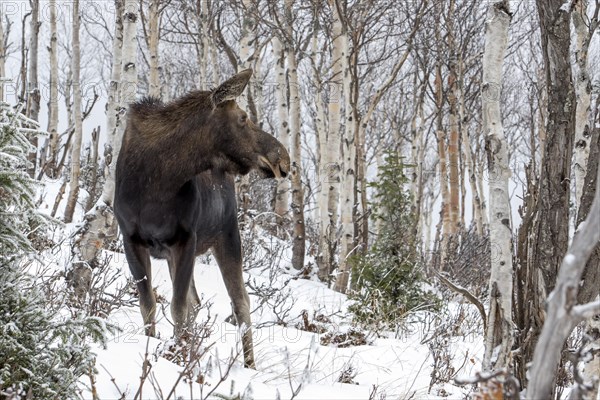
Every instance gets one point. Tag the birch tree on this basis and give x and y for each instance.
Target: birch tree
(53, 100)
(499, 325)
(33, 90)
(454, 182)
(283, 128)
(348, 175)
(154, 16)
(583, 89)
(77, 123)
(297, 205)
(590, 277)
(329, 171)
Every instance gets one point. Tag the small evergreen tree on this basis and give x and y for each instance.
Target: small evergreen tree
(17, 190)
(387, 279)
(42, 354)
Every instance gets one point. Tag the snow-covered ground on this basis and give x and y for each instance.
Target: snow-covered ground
(290, 362)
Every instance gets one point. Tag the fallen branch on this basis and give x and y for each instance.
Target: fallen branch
(468, 295)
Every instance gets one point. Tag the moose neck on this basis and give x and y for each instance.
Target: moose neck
(184, 157)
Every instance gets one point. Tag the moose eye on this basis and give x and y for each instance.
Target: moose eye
(243, 119)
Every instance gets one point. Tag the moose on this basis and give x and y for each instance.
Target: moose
(175, 195)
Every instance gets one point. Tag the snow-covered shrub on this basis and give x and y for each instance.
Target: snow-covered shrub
(387, 280)
(42, 353)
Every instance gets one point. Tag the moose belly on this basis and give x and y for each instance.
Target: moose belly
(159, 232)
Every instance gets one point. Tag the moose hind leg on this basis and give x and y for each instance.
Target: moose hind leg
(228, 253)
(138, 259)
(181, 267)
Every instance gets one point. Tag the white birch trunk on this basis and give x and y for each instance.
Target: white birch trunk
(257, 90)
(499, 326)
(283, 129)
(297, 205)
(416, 152)
(202, 18)
(297, 190)
(113, 106)
(33, 90)
(583, 90)
(245, 62)
(77, 117)
(154, 31)
(478, 202)
(323, 161)
(33, 95)
(348, 174)
(443, 163)
(246, 40)
(330, 166)
(214, 59)
(53, 101)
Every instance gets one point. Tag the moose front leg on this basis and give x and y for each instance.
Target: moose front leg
(228, 253)
(182, 268)
(138, 259)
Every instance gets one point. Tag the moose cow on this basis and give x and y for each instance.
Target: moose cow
(175, 196)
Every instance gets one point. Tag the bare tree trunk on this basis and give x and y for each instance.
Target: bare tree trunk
(330, 166)
(53, 101)
(454, 183)
(348, 200)
(203, 57)
(93, 163)
(283, 185)
(321, 126)
(583, 89)
(547, 221)
(590, 278)
(563, 312)
(499, 326)
(347, 242)
(113, 106)
(245, 61)
(479, 215)
(33, 90)
(214, 59)
(154, 33)
(297, 206)
(128, 87)
(297, 190)
(441, 145)
(76, 146)
(246, 42)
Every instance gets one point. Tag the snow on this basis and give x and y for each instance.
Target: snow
(288, 360)
(570, 259)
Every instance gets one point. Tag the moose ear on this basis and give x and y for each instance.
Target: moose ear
(231, 88)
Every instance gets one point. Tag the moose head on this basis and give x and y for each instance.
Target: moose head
(242, 144)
